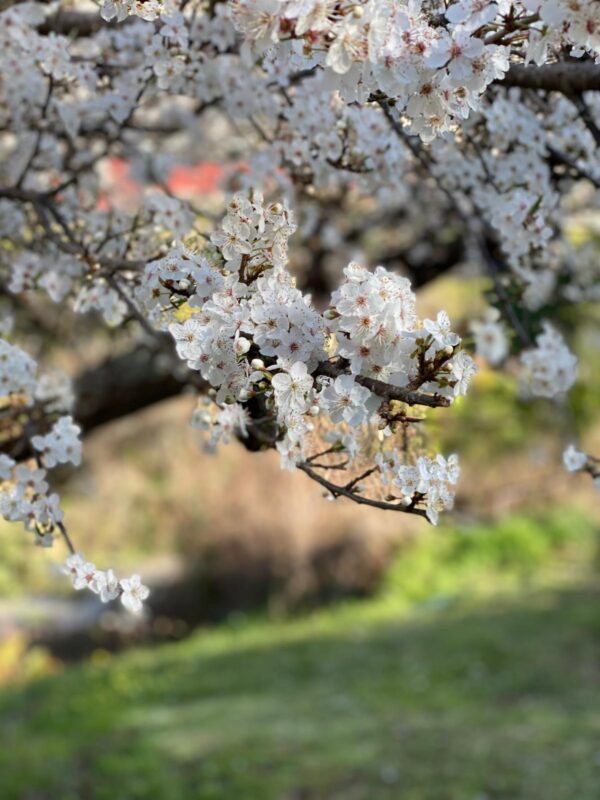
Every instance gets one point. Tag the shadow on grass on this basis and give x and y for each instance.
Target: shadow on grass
(498, 702)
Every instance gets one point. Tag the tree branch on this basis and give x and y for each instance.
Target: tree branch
(566, 77)
(125, 384)
(346, 491)
(74, 23)
(385, 390)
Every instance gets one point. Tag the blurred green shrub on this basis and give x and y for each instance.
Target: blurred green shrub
(448, 561)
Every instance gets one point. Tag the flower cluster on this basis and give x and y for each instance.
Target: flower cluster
(17, 371)
(105, 583)
(61, 446)
(253, 237)
(435, 60)
(578, 22)
(146, 9)
(549, 369)
(379, 334)
(435, 72)
(24, 498)
(280, 370)
(428, 478)
(24, 489)
(240, 298)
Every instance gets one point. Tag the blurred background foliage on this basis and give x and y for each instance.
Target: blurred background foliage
(326, 651)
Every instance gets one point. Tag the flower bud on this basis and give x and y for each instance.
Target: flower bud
(314, 411)
(257, 363)
(241, 345)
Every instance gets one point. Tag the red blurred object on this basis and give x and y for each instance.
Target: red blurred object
(203, 179)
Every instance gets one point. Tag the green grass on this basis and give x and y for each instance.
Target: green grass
(471, 677)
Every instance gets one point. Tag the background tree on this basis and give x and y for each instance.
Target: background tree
(468, 127)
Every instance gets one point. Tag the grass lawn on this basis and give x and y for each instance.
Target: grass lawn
(487, 690)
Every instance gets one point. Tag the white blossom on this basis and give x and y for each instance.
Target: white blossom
(133, 593)
(574, 459)
(549, 369)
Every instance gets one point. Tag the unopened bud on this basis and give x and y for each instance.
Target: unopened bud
(314, 411)
(184, 285)
(358, 12)
(257, 363)
(241, 346)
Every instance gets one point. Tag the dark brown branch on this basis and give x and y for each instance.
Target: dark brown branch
(74, 23)
(125, 384)
(566, 160)
(66, 537)
(567, 77)
(342, 491)
(385, 390)
(586, 116)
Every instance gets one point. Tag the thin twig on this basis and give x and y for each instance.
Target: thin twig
(66, 537)
(342, 491)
